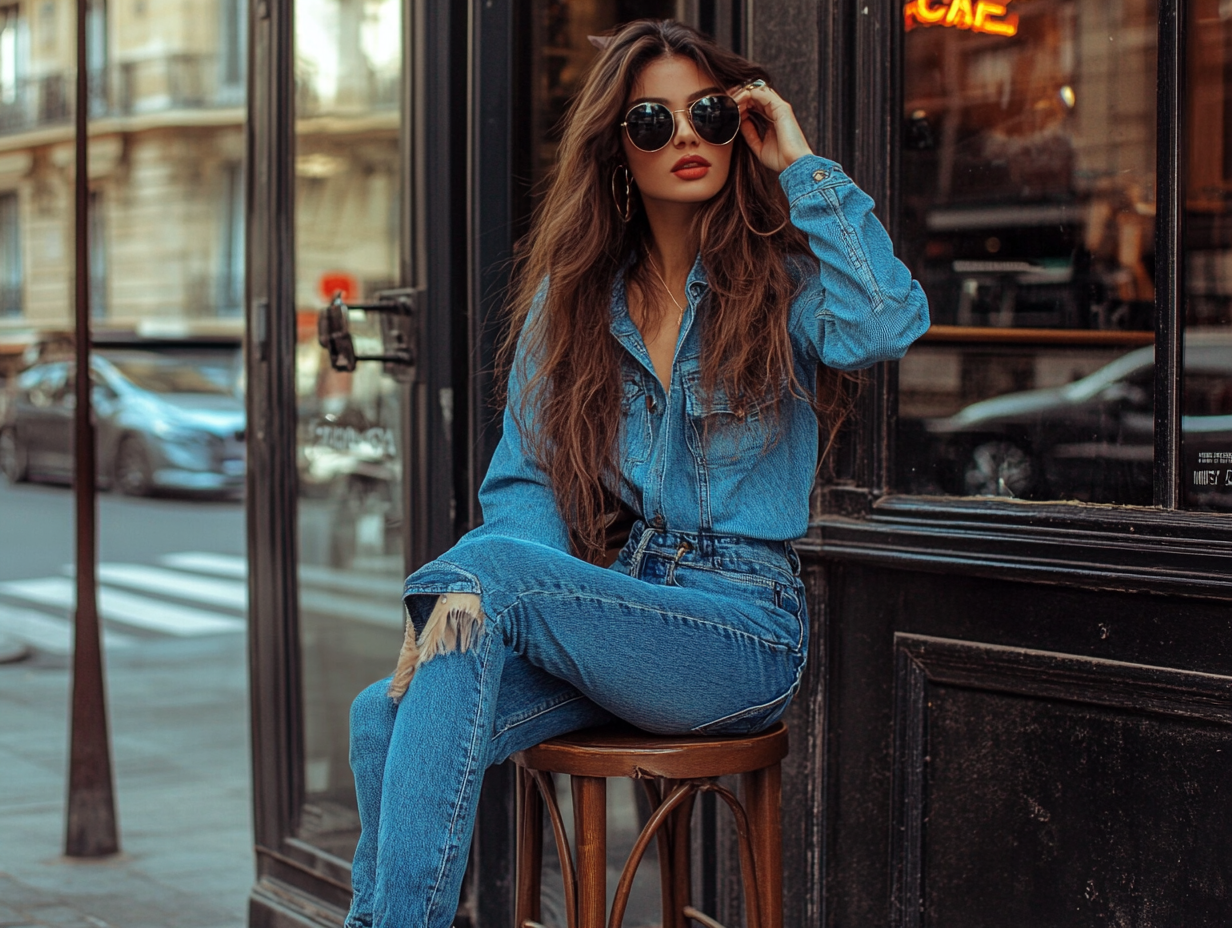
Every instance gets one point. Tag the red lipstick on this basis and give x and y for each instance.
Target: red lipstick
(691, 167)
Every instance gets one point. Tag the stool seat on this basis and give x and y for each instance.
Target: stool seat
(620, 750)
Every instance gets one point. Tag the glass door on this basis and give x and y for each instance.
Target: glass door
(339, 470)
(349, 425)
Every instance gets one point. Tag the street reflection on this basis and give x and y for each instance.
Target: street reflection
(1087, 440)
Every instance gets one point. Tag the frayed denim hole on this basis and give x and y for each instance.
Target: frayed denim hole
(418, 607)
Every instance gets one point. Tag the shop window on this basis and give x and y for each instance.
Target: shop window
(10, 256)
(1206, 422)
(1028, 211)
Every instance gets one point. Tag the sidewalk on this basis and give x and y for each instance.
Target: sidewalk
(179, 734)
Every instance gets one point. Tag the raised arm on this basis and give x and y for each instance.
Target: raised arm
(863, 306)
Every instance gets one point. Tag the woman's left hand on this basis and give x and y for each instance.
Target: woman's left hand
(783, 142)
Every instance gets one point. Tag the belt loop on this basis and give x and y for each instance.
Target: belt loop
(635, 562)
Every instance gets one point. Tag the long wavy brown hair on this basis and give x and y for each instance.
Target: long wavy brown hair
(569, 412)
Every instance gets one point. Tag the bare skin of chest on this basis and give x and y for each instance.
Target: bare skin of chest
(660, 327)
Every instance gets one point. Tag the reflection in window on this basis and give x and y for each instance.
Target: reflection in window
(11, 63)
(348, 55)
(1206, 423)
(99, 243)
(230, 300)
(1028, 192)
(348, 67)
(11, 276)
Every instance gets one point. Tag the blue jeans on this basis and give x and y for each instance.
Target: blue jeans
(683, 633)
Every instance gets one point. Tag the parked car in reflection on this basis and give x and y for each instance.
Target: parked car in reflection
(1091, 440)
(163, 423)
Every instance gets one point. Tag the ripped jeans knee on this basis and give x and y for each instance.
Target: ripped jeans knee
(455, 622)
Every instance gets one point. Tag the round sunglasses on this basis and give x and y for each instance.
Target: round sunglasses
(715, 118)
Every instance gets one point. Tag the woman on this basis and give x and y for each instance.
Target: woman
(693, 268)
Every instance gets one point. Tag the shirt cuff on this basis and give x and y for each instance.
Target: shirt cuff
(812, 172)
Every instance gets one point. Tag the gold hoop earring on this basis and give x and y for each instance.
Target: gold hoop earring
(745, 216)
(625, 213)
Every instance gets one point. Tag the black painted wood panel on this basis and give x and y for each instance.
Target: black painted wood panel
(1042, 788)
(1002, 753)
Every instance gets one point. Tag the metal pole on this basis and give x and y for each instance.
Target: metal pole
(91, 821)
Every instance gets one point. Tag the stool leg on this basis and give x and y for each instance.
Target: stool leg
(529, 850)
(590, 829)
(682, 877)
(762, 799)
(663, 837)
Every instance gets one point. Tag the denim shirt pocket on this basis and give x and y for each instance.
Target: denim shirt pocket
(635, 432)
(722, 433)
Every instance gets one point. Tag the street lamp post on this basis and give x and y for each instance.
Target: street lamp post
(91, 821)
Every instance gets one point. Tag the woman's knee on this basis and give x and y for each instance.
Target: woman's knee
(504, 552)
(372, 713)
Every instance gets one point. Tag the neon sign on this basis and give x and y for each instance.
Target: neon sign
(975, 15)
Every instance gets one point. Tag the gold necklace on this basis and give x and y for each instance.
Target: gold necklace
(671, 296)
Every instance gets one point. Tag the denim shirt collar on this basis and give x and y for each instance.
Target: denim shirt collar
(622, 325)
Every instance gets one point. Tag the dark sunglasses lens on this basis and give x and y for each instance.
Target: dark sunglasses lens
(716, 119)
(650, 126)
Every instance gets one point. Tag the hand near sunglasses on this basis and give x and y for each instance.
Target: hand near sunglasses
(784, 142)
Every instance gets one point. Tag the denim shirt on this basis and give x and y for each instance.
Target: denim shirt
(863, 307)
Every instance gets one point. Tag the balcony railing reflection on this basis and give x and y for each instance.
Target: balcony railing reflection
(130, 88)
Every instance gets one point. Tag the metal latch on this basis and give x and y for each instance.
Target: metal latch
(397, 313)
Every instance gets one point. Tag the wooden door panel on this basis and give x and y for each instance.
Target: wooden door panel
(1038, 788)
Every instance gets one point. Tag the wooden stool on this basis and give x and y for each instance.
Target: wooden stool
(673, 769)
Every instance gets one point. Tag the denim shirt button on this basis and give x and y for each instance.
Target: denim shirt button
(820, 175)
(658, 521)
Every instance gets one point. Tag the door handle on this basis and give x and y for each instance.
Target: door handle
(398, 332)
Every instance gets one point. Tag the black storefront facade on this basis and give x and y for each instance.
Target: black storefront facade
(1019, 700)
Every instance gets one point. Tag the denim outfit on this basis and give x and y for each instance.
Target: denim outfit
(699, 625)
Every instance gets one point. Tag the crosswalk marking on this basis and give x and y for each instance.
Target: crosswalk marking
(227, 594)
(327, 578)
(125, 608)
(207, 562)
(55, 636)
(187, 594)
